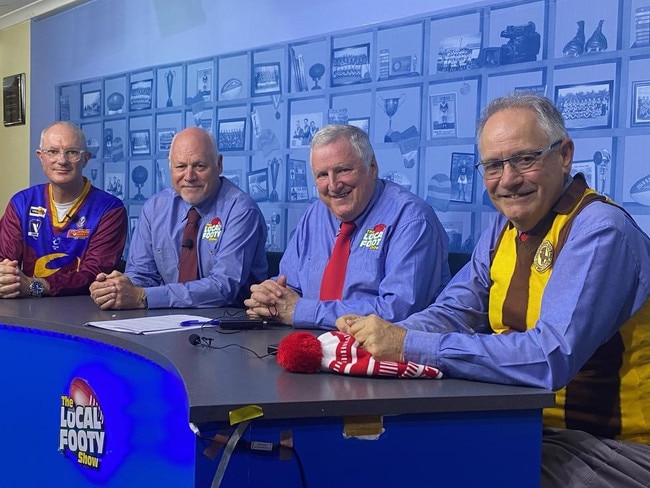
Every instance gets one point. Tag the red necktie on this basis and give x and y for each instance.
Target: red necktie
(331, 287)
(188, 266)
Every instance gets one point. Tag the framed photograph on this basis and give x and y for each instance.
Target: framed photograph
(232, 134)
(442, 109)
(362, 123)
(304, 126)
(133, 222)
(586, 106)
(140, 95)
(13, 99)
(587, 168)
(114, 184)
(165, 137)
(459, 53)
(351, 65)
(140, 142)
(461, 175)
(204, 83)
(538, 89)
(234, 175)
(266, 79)
(91, 104)
(297, 177)
(640, 103)
(258, 185)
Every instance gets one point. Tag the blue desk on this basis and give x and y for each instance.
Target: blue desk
(149, 388)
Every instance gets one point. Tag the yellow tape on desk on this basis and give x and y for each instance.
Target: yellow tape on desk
(249, 412)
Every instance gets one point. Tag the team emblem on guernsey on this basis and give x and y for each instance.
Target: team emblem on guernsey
(544, 256)
(37, 211)
(212, 230)
(372, 238)
(34, 228)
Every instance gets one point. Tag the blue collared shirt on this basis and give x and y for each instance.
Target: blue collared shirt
(230, 245)
(600, 279)
(397, 265)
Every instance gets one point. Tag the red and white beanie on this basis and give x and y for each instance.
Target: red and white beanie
(302, 352)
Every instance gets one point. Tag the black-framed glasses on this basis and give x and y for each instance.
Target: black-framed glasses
(520, 163)
(72, 155)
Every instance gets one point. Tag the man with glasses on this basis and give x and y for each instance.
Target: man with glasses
(556, 296)
(56, 237)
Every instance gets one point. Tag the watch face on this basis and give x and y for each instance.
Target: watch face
(36, 288)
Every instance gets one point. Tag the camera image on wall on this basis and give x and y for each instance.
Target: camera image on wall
(523, 45)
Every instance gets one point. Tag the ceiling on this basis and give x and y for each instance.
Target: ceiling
(13, 12)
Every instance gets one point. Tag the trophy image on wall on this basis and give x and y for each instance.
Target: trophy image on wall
(139, 176)
(93, 175)
(169, 79)
(274, 167)
(275, 221)
(316, 72)
(390, 106)
(601, 159)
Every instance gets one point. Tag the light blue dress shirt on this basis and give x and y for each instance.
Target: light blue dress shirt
(230, 244)
(397, 264)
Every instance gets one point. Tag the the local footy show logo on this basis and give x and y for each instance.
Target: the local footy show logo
(81, 434)
(212, 230)
(372, 238)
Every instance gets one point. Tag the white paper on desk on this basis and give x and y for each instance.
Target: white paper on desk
(149, 325)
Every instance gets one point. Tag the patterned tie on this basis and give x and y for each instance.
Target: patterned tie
(331, 287)
(188, 267)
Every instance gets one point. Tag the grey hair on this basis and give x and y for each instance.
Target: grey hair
(549, 118)
(357, 138)
(74, 128)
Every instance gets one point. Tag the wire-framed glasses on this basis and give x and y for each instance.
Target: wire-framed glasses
(520, 163)
(72, 155)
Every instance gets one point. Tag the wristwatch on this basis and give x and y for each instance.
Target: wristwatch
(36, 288)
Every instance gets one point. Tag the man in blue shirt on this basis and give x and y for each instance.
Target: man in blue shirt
(398, 255)
(560, 282)
(229, 245)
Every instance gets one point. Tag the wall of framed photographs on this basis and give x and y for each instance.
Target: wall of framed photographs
(416, 85)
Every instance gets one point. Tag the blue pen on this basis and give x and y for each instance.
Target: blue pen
(187, 323)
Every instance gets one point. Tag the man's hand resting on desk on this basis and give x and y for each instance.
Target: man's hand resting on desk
(272, 299)
(14, 283)
(385, 341)
(115, 291)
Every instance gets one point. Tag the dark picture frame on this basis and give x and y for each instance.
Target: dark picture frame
(362, 123)
(258, 185)
(351, 65)
(140, 142)
(91, 104)
(461, 174)
(640, 103)
(586, 105)
(231, 134)
(164, 139)
(297, 180)
(141, 95)
(13, 99)
(266, 79)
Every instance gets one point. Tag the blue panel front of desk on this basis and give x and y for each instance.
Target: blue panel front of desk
(80, 413)
(460, 450)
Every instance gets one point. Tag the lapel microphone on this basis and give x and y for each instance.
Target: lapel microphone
(188, 243)
(72, 218)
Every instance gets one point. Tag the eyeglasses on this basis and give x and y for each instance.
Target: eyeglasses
(72, 155)
(520, 163)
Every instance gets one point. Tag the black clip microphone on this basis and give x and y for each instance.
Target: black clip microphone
(188, 243)
(73, 218)
(197, 340)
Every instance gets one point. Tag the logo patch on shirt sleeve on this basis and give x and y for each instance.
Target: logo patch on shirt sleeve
(212, 230)
(372, 238)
